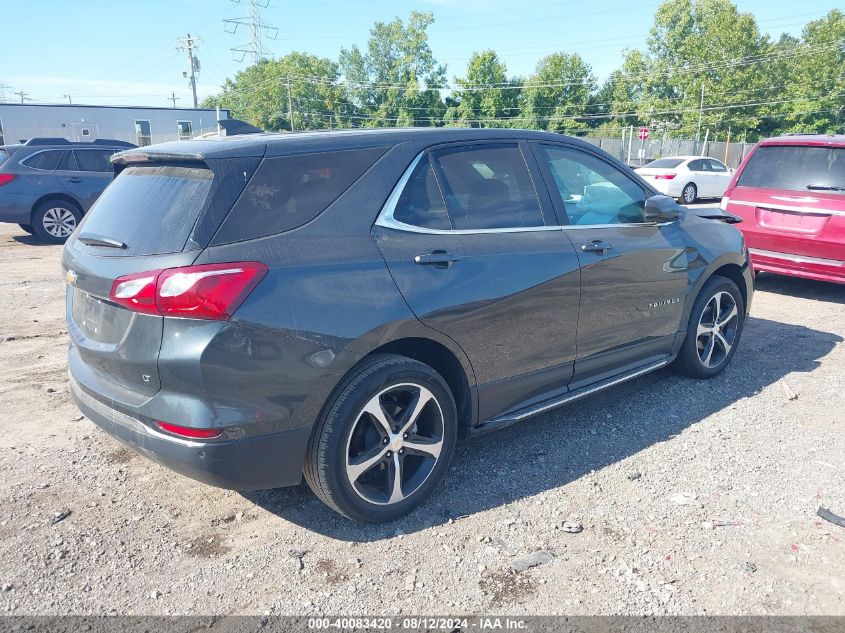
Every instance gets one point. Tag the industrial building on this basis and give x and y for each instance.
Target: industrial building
(136, 124)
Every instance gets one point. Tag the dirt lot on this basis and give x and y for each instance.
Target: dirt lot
(694, 497)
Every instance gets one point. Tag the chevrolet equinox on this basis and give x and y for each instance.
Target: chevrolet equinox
(347, 304)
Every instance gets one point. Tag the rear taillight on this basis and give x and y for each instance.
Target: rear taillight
(664, 176)
(189, 432)
(5, 179)
(208, 291)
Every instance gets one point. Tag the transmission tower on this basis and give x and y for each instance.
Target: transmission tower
(258, 30)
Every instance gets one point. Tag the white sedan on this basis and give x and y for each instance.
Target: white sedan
(688, 177)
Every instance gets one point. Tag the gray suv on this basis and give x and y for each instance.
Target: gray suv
(347, 304)
(48, 184)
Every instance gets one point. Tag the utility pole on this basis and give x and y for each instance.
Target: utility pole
(173, 98)
(189, 45)
(290, 106)
(258, 30)
(23, 95)
(3, 87)
(700, 111)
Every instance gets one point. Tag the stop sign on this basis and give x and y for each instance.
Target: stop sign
(643, 135)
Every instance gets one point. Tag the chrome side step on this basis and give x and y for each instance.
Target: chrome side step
(520, 414)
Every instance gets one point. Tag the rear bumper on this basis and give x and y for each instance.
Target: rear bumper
(15, 208)
(249, 463)
(671, 188)
(816, 268)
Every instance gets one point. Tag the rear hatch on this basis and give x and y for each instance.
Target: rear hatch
(156, 214)
(792, 200)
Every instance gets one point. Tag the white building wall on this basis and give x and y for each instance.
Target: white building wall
(23, 121)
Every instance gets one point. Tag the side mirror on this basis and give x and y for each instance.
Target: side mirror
(661, 208)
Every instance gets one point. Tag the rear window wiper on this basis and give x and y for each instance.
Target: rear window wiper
(825, 188)
(90, 239)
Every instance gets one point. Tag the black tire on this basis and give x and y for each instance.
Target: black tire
(345, 428)
(689, 193)
(28, 228)
(693, 359)
(54, 220)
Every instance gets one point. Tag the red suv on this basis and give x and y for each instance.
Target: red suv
(790, 192)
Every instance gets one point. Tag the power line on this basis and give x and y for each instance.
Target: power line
(258, 30)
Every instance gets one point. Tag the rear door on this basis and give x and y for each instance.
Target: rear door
(633, 273)
(470, 239)
(85, 173)
(700, 175)
(792, 200)
(140, 224)
(720, 177)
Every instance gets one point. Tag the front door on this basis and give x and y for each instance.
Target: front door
(477, 255)
(633, 273)
(85, 173)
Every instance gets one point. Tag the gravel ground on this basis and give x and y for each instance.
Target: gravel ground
(665, 495)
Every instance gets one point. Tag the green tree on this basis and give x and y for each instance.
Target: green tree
(397, 82)
(815, 77)
(489, 98)
(707, 44)
(259, 94)
(557, 93)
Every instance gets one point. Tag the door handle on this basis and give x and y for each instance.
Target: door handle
(74, 179)
(438, 259)
(596, 246)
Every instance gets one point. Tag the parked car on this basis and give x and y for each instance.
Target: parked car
(790, 192)
(347, 304)
(48, 184)
(688, 178)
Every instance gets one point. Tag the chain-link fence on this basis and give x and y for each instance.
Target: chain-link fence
(636, 152)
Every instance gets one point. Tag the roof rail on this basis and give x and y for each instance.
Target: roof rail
(113, 142)
(46, 140)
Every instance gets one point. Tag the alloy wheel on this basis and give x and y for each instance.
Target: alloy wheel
(395, 444)
(689, 194)
(717, 329)
(59, 222)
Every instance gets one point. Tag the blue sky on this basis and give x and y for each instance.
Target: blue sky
(124, 51)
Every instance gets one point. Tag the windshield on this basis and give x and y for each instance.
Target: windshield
(665, 163)
(150, 209)
(796, 168)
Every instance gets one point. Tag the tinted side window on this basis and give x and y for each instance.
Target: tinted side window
(715, 165)
(94, 160)
(421, 203)
(287, 192)
(488, 187)
(48, 160)
(698, 165)
(68, 162)
(592, 191)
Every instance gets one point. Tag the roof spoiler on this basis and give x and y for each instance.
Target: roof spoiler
(235, 127)
(47, 140)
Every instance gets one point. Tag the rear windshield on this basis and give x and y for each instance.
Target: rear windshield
(289, 191)
(665, 163)
(795, 167)
(4, 155)
(150, 209)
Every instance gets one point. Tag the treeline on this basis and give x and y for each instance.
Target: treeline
(705, 66)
